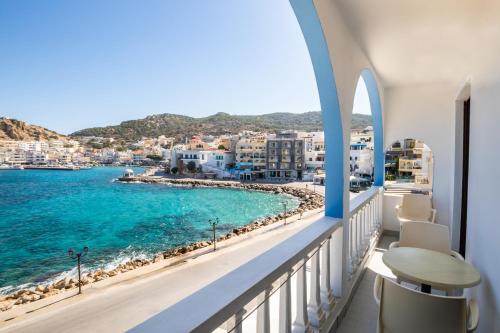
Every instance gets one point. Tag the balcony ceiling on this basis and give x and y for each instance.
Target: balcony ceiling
(413, 42)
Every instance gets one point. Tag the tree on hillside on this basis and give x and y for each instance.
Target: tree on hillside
(221, 147)
(154, 157)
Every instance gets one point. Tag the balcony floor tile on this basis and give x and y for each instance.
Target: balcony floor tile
(361, 316)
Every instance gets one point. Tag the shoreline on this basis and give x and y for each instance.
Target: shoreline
(308, 201)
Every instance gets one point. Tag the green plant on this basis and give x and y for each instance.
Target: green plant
(154, 157)
(390, 177)
(191, 166)
(174, 170)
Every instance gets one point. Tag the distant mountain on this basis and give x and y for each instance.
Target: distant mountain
(178, 126)
(12, 129)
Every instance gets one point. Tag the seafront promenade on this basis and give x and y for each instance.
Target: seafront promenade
(119, 304)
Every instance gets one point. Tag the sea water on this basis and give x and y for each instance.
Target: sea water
(43, 213)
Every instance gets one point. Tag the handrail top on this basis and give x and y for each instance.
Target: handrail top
(210, 306)
(357, 203)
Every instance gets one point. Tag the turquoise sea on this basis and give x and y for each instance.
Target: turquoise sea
(43, 213)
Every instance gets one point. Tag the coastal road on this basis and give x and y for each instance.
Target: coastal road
(125, 304)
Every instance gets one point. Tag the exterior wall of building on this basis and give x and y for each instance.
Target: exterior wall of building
(421, 104)
(314, 151)
(361, 160)
(285, 158)
(252, 149)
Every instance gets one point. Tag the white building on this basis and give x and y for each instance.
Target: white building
(361, 160)
(314, 151)
(37, 157)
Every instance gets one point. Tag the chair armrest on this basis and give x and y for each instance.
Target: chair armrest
(433, 215)
(377, 288)
(393, 245)
(472, 316)
(457, 255)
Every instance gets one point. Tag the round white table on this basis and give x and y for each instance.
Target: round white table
(431, 268)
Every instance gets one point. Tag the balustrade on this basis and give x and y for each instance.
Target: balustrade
(299, 269)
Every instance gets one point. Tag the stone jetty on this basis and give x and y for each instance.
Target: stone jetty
(308, 200)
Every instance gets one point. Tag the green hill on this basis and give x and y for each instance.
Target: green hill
(178, 126)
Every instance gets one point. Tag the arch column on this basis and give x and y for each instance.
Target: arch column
(378, 128)
(310, 25)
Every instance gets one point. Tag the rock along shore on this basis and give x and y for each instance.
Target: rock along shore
(308, 200)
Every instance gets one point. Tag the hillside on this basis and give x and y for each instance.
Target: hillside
(179, 126)
(12, 129)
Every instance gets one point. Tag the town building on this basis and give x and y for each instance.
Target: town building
(314, 151)
(361, 160)
(250, 156)
(285, 156)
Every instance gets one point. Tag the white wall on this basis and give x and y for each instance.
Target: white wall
(427, 113)
(348, 61)
(483, 226)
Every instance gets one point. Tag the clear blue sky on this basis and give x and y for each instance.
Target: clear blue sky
(67, 65)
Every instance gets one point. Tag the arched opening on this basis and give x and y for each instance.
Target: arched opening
(366, 157)
(361, 146)
(377, 124)
(327, 89)
(409, 166)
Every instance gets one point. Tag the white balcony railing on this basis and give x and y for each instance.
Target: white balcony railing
(295, 286)
(365, 225)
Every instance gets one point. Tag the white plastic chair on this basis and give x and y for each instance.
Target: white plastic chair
(429, 236)
(416, 207)
(403, 310)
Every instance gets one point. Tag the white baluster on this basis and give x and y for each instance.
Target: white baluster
(235, 323)
(301, 323)
(363, 223)
(315, 311)
(372, 219)
(359, 216)
(326, 287)
(263, 317)
(285, 313)
(352, 239)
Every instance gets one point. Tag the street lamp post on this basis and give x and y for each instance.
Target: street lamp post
(214, 223)
(78, 257)
(284, 206)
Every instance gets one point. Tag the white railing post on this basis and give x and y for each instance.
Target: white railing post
(285, 307)
(301, 323)
(358, 235)
(235, 323)
(326, 289)
(316, 313)
(263, 312)
(352, 241)
(381, 209)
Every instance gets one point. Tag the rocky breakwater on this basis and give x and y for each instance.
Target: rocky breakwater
(308, 200)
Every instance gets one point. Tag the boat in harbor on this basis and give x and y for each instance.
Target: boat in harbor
(11, 167)
(53, 167)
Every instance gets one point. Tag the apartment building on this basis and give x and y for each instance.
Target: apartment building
(361, 160)
(314, 151)
(251, 152)
(285, 156)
